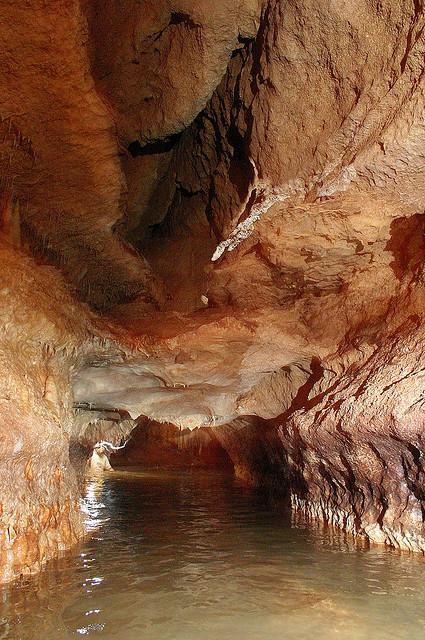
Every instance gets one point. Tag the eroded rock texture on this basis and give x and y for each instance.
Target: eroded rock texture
(45, 333)
(164, 445)
(240, 193)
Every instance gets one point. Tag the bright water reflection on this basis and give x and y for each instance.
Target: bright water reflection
(196, 556)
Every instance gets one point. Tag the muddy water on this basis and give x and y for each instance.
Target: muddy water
(195, 556)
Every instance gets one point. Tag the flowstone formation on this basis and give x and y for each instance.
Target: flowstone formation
(213, 220)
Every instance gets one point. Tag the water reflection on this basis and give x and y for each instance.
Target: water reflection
(91, 503)
(190, 556)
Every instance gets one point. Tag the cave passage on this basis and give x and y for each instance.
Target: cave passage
(183, 555)
(212, 319)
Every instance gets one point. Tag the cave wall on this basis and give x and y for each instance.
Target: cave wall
(39, 513)
(45, 333)
(154, 445)
(306, 171)
(290, 124)
(73, 191)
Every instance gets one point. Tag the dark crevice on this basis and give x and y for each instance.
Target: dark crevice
(241, 171)
(188, 193)
(384, 509)
(301, 400)
(407, 244)
(245, 39)
(179, 17)
(411, 37)
(249, 205)
(155, 147)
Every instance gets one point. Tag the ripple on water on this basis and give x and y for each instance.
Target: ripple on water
(195, 555)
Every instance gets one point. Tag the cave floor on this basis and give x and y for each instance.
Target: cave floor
(190, 555)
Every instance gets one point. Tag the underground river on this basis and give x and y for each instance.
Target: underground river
(190, 555)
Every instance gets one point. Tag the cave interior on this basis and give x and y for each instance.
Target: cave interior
(212, 246)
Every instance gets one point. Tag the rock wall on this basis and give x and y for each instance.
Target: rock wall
(306, 170)
(166, 446)
(39, 507)
(44, 334)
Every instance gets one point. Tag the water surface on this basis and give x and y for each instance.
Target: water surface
(195, 555)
